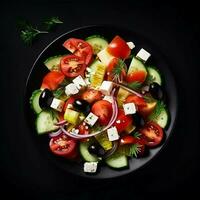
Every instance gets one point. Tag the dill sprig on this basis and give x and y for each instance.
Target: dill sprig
(135, 85)
(137, 135)
(157, 111)
(135, 149)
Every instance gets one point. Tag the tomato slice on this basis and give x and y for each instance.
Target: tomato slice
(111, 66)
(138, 101)
(52, 80)
(119, 48)
(92, 95)
(102, 109)
(145, 111)
(64, 146)
(139, 76)
(128, 139)
(122, 121)
(152, 134)
(79, 48)
(72, 65)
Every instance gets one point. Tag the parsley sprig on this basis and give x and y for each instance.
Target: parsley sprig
(51, 22)
(28, 32)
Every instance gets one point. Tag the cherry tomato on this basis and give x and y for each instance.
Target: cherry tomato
(111, 67)
(92, 95)
(122, 121)
(79, 48)
(52, 80)
(64, 146)
(102, 109)
(138, 101)
(72, 65)
(128, 139)
(119, 48)
(139, 76)
(152, 134)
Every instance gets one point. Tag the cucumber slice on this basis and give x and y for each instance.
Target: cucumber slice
(117, 160)
(97, 42)
(163, 118)
(136, 65)
(86, 155)
(45, 122)
(98, 70)
(34, 101)
(53, 63)
(155, 75)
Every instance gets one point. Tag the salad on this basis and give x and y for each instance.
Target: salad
(101, 103)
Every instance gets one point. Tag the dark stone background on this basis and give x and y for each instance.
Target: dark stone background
(172, 27)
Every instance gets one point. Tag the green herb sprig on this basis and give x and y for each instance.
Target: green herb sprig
(51, 22)
(136, 85)
(135, 149)
(157, 111)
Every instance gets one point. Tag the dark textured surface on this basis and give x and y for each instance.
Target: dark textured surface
(173, 28)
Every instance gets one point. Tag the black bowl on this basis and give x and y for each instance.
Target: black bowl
(55, 48)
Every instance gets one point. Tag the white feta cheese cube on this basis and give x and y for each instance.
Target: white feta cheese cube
(105, 57)
(108, 98)
(129, 108)
(131, 45)
(71, 89)
(57, 104)
(90, 167)
(112, 134)
(143, 55)
(106, 87)
(91, 119)
(79, 82)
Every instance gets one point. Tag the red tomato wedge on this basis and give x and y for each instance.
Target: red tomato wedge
(72, 65)
(139, 76)
(122, 121)
(52, 80)
(138, 101)
(111, 66)
(102, 109)
(119, 48)
(152, 134)
(79, 48)
(92, 95)
(64, 146)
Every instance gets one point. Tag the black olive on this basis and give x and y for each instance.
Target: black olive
(45, 99)
(138, 120)
(156, 91)
(96, 150)
(82, 105)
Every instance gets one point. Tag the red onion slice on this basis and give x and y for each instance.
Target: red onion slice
(63, 122)
(54, 134)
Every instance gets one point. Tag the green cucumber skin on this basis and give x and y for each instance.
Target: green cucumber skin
(83, 146)
(132, 67)
(50, 59)
(97, 42)
(159, 74)
(112, 163)
(165, 115)
(47, 130)
(36, 108)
